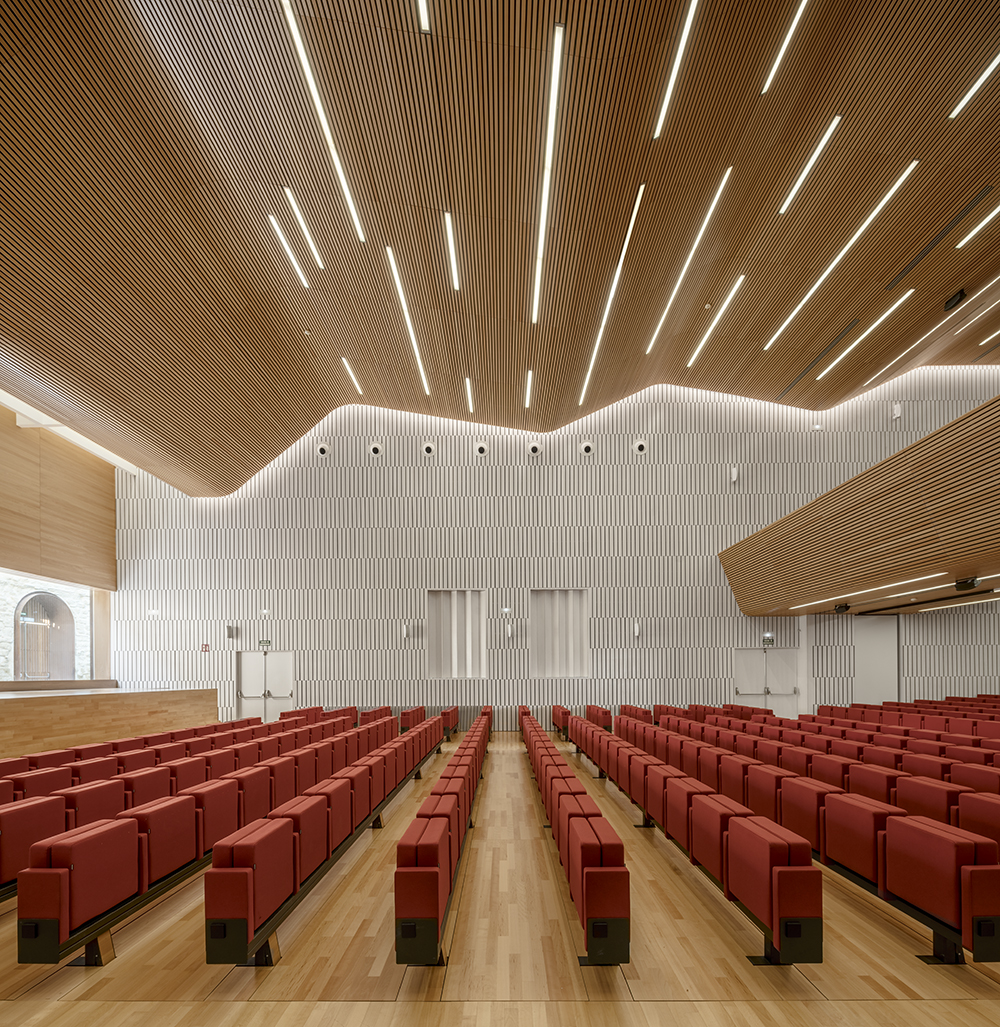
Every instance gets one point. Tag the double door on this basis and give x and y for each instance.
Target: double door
(265, 684)
(768, 678)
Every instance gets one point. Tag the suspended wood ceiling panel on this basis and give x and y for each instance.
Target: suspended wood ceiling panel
(149, 305)
(901, 534)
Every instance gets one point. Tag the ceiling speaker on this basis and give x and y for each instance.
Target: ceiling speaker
(953, 301)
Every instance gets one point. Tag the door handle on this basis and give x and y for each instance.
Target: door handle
(242, 696)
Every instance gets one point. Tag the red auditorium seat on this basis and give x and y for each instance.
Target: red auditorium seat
(802, 800)
(24, 823)
(710, 816)
(88, 803)
(851, 826)
(168, 836)
(217, 804)
(309, 817)
(926, 797)
(874, 781)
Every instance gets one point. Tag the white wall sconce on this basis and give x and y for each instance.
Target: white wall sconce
(635, 629)
(734, 472)
(505, 610)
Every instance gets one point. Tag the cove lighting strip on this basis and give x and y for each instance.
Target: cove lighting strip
(611, 292)
(843, 253)
(527, 393)
(321, 114)
(864, 335)
(784, 46)
(425, 18)
(302, 224)
(972, 92)
(550, 140)
(406, 317)
(351, 373)
(865, 591)
(954, 313)
(977, 317)
(717, 319)
(949, 606)
(288, 251)
(809, 164)
(982, 224)
(690, 257)
(451, 250)
(468, 393)
(676, 68)
(989, 339)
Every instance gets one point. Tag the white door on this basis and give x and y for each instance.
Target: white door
(781, 681)
(265, 684)
(748, 676)
(279, 683)
(250, 685)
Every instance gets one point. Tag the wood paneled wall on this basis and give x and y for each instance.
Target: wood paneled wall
(57, 508)
(38, 722)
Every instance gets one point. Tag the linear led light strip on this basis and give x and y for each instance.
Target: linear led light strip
(864, 591)
(933, 588)
(676, 68)
(989, 339)
(288, 251)
(843, 253)
(468, 393)
(954, 313)
(982, 224)
(406, 317)
(527, 392)
(690, 257)
(611, 292)
(864, 335)
(351, 373)
(550, 137)
(302, 225)
(784, 46)
(977, 317)
(451, 249)
(948, 606)
(972, 92)
(717, 319)
(321, 114)
(425, 20)
(812, 160)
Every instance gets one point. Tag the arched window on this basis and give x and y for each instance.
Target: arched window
(44, 639)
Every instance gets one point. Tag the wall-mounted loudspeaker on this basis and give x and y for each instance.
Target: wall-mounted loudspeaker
(534, 447)
(586, 448)
(322, 450)
(427, 448)
(481, 449)
(375, 448)
(953, 301)
(640, 446)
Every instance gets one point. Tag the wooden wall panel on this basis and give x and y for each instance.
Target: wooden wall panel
(57, 508)
(38, 722)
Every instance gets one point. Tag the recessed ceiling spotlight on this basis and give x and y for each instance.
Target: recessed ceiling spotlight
(843, 253)
(716, 320)
(864, 335)
(324, 125)
(676, 68)
(550, 138)
(288, 251)
(347, 367)
(812, 160)
(305, 230)
(784, 46)
(690, 257)
(982, 224)
(406, 317)
(972, 92)
(611, 292)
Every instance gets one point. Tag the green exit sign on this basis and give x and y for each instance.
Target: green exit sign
(264, 643)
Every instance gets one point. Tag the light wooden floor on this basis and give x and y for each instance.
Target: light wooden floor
(513, 940)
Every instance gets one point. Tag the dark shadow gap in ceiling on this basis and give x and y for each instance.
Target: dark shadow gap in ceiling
(849, 328)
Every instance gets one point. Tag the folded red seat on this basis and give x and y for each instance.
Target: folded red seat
(88, 803)
(323, 748)
(677, 806)
(763, 784)
(559, 787)
(638, 768)
(254, 785)
(464, 775)
(33, 784)
(599, 884)
(802, 800)
(979, 812)
(92, 751)
(246, 754)
(831, 769)
(710, 816)
(570, 807)
(454, 786)
(126, 744)
(48, 759)
(446, 807)
(920, 765)
(969, 754)
(24, 823)
(622, 772)
(361, 790)
(797, 759)
(135, 759)
(927, 797)
(282, 771)
(552, 774)
(197, 745)
(851, 826)
(305, 768)
(769, 751)
(422, 885)
(376, 777)
(169, 751)
(982, 779)
(186, 772)
(217, 810)
(142, 786)
(732, 775)
(819, 742)
(845, 747)
(71, 878)
(874, 781)
(242, 734)
(168, 837)
(309, 816)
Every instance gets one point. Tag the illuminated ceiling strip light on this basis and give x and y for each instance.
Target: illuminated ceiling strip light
(288, 251)
(812, 160)
(527, 393)
(321, 115)
(843, 253)
(676, 68)
(611, 292)
(351, 373)
(690, 257)
(978, 316)
(972, 92)
(993, 336)
(982, 224)
(550, 139)
(784, 46)
(451, 250)
(302, 225)
(914, 591)
(406, 317)
(877, 588)
(468, 393)
(425, 18)
(718, 318)
(864, 335)
(949, 606)
(954, 313)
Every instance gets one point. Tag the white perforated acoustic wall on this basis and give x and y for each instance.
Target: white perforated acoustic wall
(341, 551)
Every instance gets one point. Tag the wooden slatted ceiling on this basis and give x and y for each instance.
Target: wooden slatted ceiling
(148, 304)
(930, 508)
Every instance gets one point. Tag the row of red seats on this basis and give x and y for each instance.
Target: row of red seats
(636, 713)
(57, 891)
(450, 717)
(560, 718)
(840, 806)
(260, 872)
(411, 717)
(427, 854)
(761, 864)
(592, 854)
(600, 716)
